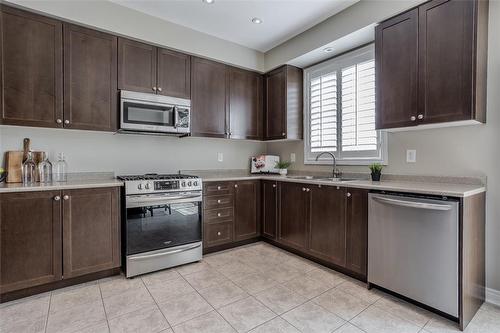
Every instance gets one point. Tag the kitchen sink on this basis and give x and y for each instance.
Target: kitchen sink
(305, 177)
(322, 178)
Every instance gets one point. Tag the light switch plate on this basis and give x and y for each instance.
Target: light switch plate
(220, 157)
(411, 156)
(292, 157)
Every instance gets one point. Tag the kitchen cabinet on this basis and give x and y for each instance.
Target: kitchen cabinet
(357, 230)
(327, 225)
(50, 237)
(431, 64)
(209, 102)
(91, 231)
(269, 208)
(245, 104)
(150, 69)
(90, 85)
(283, 103)
(31, 88)
(30, 239)
(246, 209)
(294, 206)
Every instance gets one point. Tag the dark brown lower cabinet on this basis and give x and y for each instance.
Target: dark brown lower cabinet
(246, 209)
(357, 230)
(49, 236)
(293, 215)
(327, 225)
(30, 239)
(91, 231)
(269, 208)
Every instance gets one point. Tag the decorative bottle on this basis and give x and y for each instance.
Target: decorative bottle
(61, 169)
(45, 169)
(29, 170)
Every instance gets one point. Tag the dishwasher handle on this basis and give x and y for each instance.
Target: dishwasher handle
(412, 204)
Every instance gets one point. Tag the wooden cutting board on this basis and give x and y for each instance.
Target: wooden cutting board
(13, 165)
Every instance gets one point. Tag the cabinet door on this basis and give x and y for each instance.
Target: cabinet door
(174, 74)
(136, 66)
(208, 100)
(446, 37)
(90, 79)
(30, 239)
(31, 56)
(357, 230)
(275, 85)
(293, 215)
(246, 209)
(269, 208)
(245, 104)
(396, 56)
(327, 229)
(91, 231)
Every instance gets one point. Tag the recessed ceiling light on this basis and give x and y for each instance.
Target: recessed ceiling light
(209, 1)
(328, 49)
(256, 20)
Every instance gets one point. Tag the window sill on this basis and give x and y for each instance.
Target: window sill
(364, 162)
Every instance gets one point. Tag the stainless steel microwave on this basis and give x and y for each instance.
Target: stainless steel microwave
(154, 114)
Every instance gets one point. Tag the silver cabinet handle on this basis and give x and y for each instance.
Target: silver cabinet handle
(218, 188)
(413, 118)
(159, 88)
(59, 121)
(308, 189)
(66, 122)
(274, 185)
(283, 133)
(303, 189)
(420, 116)
(219, 215)
(154, 88)
(218, 201)
(66, 197)
(218, 233)
(235, 185)
(57, 198)
(348, 194)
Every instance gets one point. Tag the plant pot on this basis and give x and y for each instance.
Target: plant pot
(283, 172)
(376, 176)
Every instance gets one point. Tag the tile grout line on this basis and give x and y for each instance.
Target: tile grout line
(48, 313)
(103, 306)
(154, 300)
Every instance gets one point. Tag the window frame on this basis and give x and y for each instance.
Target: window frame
(344, 60)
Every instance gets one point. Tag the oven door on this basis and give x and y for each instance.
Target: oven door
(160, 221)
(147, 116)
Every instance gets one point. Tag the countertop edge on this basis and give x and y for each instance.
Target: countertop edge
(57, 187)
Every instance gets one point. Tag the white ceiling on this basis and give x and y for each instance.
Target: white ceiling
(231, 19)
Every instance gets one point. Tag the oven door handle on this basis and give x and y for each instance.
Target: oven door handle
(130, 203)
(160, 254)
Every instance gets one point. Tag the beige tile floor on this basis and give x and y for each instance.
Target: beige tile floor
(255, 288)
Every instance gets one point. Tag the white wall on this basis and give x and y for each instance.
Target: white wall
(89, 151)
(461, 151)
(109, 16)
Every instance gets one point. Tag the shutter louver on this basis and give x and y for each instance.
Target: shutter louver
(358, 107)
(323, 114)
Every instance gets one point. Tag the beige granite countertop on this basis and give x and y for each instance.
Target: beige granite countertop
(75, 181)
(445, 186)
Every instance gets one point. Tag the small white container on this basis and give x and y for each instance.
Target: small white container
(283, 172)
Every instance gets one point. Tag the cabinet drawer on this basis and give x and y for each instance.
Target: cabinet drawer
(217, 234)
(218, 188)
(218, 201)
(218, 215)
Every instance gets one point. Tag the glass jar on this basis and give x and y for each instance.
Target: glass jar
(29, 170)
(61, 169)
(45, 169)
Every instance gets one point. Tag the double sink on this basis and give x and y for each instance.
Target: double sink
(323, 178)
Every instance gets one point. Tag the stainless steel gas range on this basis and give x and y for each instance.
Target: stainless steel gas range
(162, 222)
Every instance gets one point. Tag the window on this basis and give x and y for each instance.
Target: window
(340, 110)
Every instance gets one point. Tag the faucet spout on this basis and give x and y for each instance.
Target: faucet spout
(335, 172)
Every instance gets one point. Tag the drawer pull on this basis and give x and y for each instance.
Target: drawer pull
(218, 214)
(218, 188)
(274, 185)
(218, 201)
(235, 185)
(218, 233)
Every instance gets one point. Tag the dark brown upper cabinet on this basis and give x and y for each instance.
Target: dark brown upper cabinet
(431, 64)
(327, 228)
(30, 239)
(31, 88)
(269, 208)
(90, 87)
(283, 103)
(246, 209)
(245, 104)
(396, 50)
(150, 69)
(209, 98)
(357, 230)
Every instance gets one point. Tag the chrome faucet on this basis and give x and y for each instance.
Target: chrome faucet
(336, 173)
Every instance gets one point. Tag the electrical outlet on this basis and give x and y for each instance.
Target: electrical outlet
(220, 157)
(411, 156)
(292, 157)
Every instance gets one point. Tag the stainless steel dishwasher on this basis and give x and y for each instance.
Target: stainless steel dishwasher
(413, 248)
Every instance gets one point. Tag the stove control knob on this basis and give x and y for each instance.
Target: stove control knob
(195, 184)
(183, 184)
(189, 183)
(139, 187)
(147, 186)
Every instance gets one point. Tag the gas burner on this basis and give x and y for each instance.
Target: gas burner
(155, 176)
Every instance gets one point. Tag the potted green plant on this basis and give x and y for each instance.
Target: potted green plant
(283, 167)
(376, 169)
